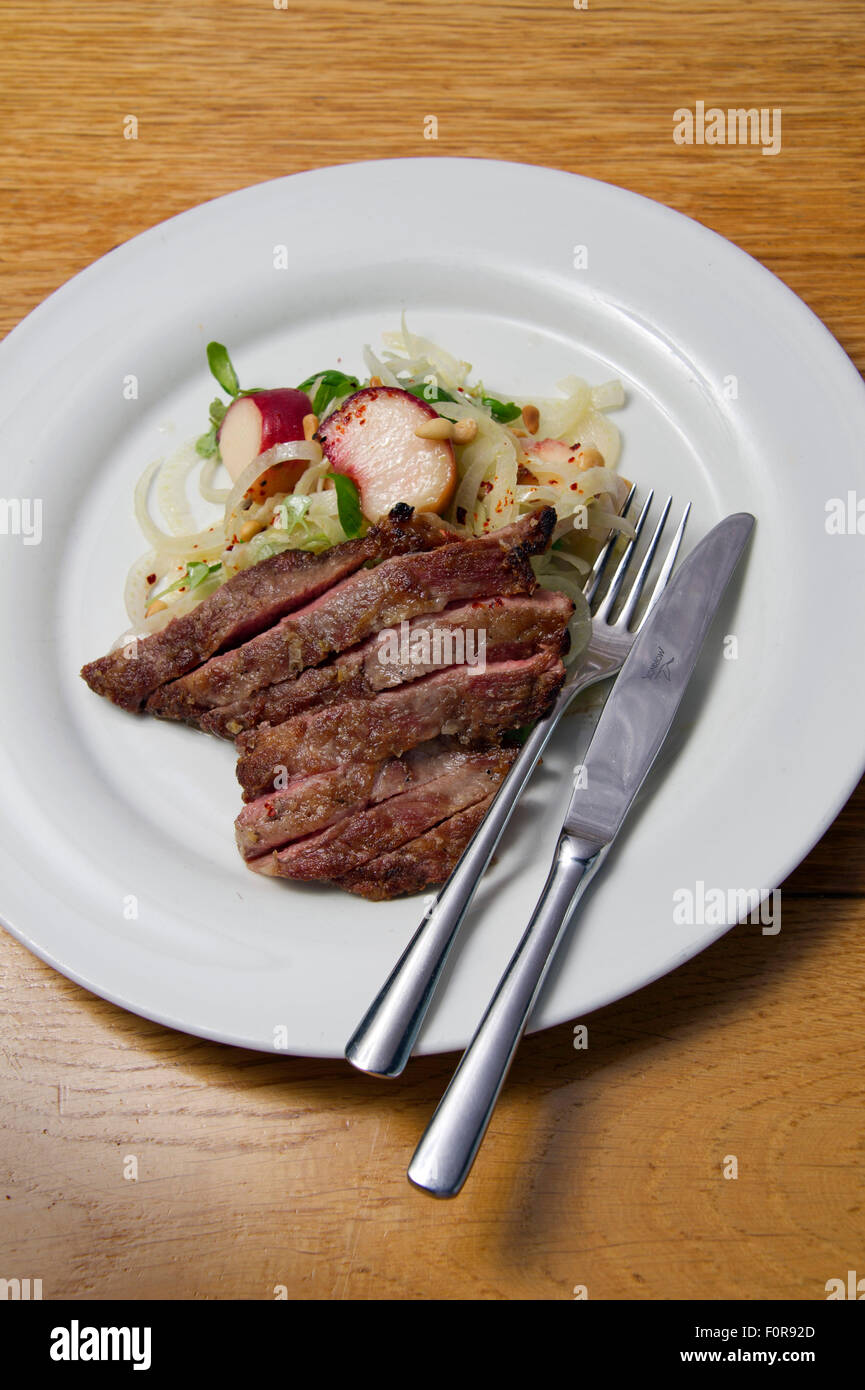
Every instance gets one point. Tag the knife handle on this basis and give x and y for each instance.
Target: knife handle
(453, 1136)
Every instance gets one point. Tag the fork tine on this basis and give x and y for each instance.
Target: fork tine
(590, 588)
(636, 589)
(604, 608)
(667, 567)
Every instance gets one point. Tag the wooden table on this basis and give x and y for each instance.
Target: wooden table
(604, 1167)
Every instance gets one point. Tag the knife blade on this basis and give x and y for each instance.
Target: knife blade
(631, 731)
(642, 706)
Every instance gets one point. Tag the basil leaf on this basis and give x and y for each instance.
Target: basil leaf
(219, 363)
(502, 413)
(333, 391)
(347, 504)
(425, 392)
(332, 386)
(331, 375)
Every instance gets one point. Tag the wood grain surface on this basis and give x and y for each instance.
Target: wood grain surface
(604, 1167)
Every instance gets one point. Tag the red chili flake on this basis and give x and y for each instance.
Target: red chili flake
(270, 809)
(575, 487)
(485, 489)
(151, 578)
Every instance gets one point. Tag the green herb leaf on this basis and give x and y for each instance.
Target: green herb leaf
(425, 392)
(332, 375)
(196, 572)
(220, 365)
(332, 386)
(205, 445)
(217, 412)
(501, 412)
(347, 504)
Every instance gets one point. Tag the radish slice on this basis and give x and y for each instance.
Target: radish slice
(253, 424)
(372, 440)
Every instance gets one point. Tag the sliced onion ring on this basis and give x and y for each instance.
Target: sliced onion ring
(206, 541)
(304, 449)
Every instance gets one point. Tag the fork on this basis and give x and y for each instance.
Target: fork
(383, 1040)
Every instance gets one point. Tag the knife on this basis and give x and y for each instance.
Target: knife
(636, 719)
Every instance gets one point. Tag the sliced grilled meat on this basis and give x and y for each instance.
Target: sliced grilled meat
(356, 839)
(308, 804)
(464, 701)
(397, 590)
(422, 863)
(248, 603)
(511, 626)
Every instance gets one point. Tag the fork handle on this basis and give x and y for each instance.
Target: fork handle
(382, 1042)
(453, 1136)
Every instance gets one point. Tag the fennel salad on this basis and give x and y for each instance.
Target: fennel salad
(308, 467)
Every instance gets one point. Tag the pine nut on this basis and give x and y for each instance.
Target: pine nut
(250, 529)
(439, 428)
(531, 418)
(155, 607)
(590, 458)
(310, 425)
(465, 431)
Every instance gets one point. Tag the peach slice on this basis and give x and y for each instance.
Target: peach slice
(372, 440)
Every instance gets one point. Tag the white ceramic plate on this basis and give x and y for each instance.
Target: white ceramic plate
(737, 398)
